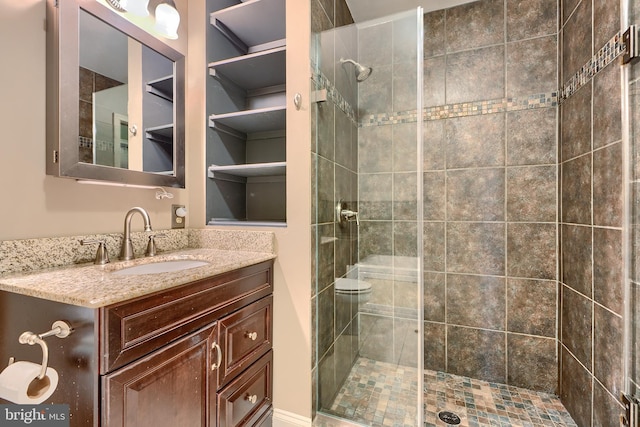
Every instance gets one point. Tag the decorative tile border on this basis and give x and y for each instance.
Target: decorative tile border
(322, 82)
(464, 109)
(605, 56)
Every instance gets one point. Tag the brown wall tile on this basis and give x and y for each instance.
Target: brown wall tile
(576, 325)
(475, 75)
(575, 135)
(576, 190)
(608, 263)
(475, 141)
(476, 248)
(576, 258)
(532, 66)
(576, 388)
(531, 250)
(532, 307)
(476, 353)
(608, 350)
(607, 186)
(475, 195)
(434, 297)
(475, 25)
(532, 363)
(477, 301)
(607, 117)
(531, 18)
(532, 194)
(576, 38)
(531, 137)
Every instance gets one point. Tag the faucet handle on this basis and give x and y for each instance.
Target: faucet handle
(102, 255)
(151, 246)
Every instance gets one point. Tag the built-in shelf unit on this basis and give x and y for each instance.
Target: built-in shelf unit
(246, 104)
(158, 83)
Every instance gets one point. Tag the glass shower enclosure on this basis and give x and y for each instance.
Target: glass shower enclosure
(367, 220)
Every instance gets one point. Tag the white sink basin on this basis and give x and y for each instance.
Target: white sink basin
(160, 267)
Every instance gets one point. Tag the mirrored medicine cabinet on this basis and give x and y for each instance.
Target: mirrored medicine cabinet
(115, 99)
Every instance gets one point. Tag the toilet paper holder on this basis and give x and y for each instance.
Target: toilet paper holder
(60, 329)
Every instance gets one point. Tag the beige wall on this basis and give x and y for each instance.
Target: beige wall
(35, 205)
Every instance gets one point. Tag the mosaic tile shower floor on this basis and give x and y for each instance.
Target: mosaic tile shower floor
(383, 394)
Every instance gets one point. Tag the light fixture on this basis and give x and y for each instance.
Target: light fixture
(167, 16)
(167, 19)
(137, 7)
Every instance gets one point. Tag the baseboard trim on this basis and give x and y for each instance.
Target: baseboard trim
(289, 419)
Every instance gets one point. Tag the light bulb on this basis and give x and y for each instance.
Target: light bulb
(167, 21)
(137, 7)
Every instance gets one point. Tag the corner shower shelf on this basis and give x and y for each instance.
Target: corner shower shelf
(253, 25)
(162, 87)
(162, 133)
(254, 70)
(250, 121)
(240, 173)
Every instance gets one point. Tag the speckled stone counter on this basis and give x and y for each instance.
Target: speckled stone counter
(60, 277)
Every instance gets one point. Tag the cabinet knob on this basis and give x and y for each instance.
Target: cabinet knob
(252, 335)
(252, 398)
(216, 347)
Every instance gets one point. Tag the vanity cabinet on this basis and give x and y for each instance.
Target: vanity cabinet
(246, 103)
(198, 354)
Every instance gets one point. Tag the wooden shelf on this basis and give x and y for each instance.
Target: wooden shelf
(250, 121)
(162, 87)
(253, 25)
(255, 70)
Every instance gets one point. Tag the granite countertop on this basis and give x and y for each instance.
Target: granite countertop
(94, 286)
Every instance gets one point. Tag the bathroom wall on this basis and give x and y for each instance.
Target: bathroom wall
(334, 161)
(591, 197)
(490, 177)
(41, 205)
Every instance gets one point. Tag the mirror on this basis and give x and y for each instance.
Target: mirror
(115, 99)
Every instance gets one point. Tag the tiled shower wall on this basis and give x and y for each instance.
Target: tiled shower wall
(490, 193)
(591, 153)
(334, 169)
(505, 207)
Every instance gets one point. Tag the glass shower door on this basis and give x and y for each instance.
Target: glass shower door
(367, 221)
(631, 121)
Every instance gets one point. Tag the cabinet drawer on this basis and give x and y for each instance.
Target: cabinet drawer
(133, 329)
(247, 399)
(245, 335)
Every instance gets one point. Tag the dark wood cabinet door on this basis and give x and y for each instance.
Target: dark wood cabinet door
(244, 337)
(247, 398)
(167, 388)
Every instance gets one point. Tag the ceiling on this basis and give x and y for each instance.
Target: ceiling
(363, 10)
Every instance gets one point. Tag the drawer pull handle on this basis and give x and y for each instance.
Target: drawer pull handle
(252, 398)
(216, 365)
(252, 335)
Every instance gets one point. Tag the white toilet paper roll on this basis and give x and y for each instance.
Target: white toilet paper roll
(19, 383)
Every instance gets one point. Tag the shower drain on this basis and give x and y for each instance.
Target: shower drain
(449, 418)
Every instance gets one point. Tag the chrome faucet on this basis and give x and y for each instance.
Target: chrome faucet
(127, 246)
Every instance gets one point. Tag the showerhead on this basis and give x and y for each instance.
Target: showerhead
(362, 72)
